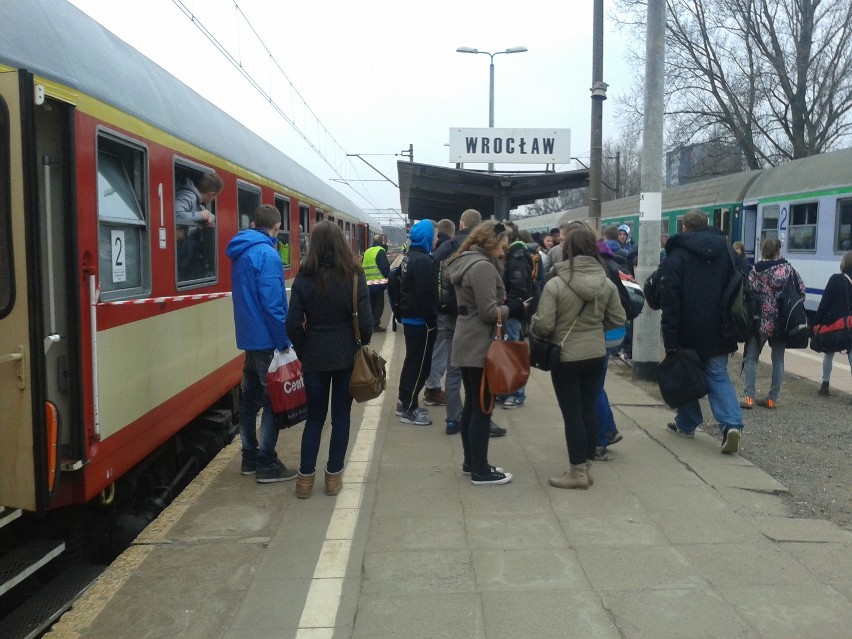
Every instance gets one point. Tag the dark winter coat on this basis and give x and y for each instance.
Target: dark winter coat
(517, 272)
(417, 278)
(698, 267)
(835, 299)
(321, 327)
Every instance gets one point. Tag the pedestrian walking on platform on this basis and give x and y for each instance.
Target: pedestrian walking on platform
(320, 325)
(697, 269)
(768, 278)
(577, 305)
(836, 303)
(260, 312)
(475, 271)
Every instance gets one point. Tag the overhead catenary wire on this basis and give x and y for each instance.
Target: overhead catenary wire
(236, 62)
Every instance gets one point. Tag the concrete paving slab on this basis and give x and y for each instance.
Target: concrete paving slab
(790, 529)
(419, 476)
(418, 502)
(271, 604)
(667, 474)
(793, 611)
(697, 613)
(513, 531)
(425, 571)
(664, 498)
(415, 533)
(830, 562)
(415, 616)
(638, 568)
(546, 615)
(513, 498)
(531, 569)
(749, 477)
(697, 526)
(754, 563)
(605, 500)
(611, 530)
(751, 503)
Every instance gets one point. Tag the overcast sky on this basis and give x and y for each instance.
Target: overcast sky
(381, 74)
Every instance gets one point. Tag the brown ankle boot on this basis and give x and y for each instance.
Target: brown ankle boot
(589, 473)
(575, 478)
(333, 482)
(304, 485)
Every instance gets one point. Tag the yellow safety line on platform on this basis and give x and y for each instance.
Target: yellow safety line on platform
(320, 611)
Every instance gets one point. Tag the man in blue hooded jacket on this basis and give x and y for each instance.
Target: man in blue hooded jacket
(419, 321)
(260, 311)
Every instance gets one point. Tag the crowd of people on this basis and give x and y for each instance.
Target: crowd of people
(450, 290)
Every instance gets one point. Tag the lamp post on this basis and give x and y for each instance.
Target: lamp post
(491, 82)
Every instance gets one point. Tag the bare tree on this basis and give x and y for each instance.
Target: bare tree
(773, 77)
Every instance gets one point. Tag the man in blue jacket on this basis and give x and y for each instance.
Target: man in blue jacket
(260, 311)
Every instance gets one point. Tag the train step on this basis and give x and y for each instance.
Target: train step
(25, 560)
(32, 617)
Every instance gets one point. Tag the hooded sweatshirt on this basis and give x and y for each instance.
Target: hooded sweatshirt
(417, 278)
(587, 296)
(259, 296)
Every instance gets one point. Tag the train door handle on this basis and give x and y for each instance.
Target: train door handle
(19, 358)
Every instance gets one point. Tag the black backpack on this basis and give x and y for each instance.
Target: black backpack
(740, 310)
(653, 288)
(792, 320)
(682, 378)
(395, 288)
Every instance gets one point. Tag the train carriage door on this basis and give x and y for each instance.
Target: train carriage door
(23, 475)
(748, 229)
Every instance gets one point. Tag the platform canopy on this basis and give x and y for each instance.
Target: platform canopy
(437, 192)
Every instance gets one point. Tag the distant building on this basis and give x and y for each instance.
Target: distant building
(702, 161)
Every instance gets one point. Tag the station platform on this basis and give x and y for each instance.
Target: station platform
(673, 540)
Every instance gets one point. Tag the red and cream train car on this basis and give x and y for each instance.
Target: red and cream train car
(108, 345)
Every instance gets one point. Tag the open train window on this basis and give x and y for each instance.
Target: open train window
(195, 242)
(283, 206)
(769, 225)
(123, 246)
(7, 291)
(803, 228)
(843, 227)
(248, 199)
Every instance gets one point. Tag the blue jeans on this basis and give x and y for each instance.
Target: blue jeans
(253, 396)
(606, 421)
(513, 333)
(723, 400)
(318, 386)
(752, 355)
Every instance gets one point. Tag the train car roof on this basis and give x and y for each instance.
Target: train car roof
(57, 41)
(816, 172)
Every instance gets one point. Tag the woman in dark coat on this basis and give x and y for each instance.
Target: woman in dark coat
(319, 323)
(836, 302)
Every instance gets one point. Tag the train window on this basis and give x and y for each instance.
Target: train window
(843, 234)
(318, 216)
(248, 199)
(123, 246)
(803, 227)
(7, 296)
(769, 226)
(195, 242)
(283, 206)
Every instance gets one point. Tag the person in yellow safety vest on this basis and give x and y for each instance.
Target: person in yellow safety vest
(377, 270)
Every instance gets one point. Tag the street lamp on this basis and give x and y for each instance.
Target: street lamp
(491, 81)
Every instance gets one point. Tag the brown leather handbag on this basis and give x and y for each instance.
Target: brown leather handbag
(369, 378)
(507, 367)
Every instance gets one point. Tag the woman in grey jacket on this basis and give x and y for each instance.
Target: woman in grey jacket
(476, 273)
(575, 308)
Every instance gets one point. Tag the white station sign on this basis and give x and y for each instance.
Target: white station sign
(511, 146)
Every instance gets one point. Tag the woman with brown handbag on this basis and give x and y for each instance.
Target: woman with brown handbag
(476, 273)
(578, 303)
(319, 323)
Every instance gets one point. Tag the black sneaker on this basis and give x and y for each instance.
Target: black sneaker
(248, 467)
(496, 431)
(494, 478)
(677, 431)
(614, 438)
(466, 469)
(277, 472)
(731, 441)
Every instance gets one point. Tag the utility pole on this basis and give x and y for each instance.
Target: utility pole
(598, 96)
(646, 327)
